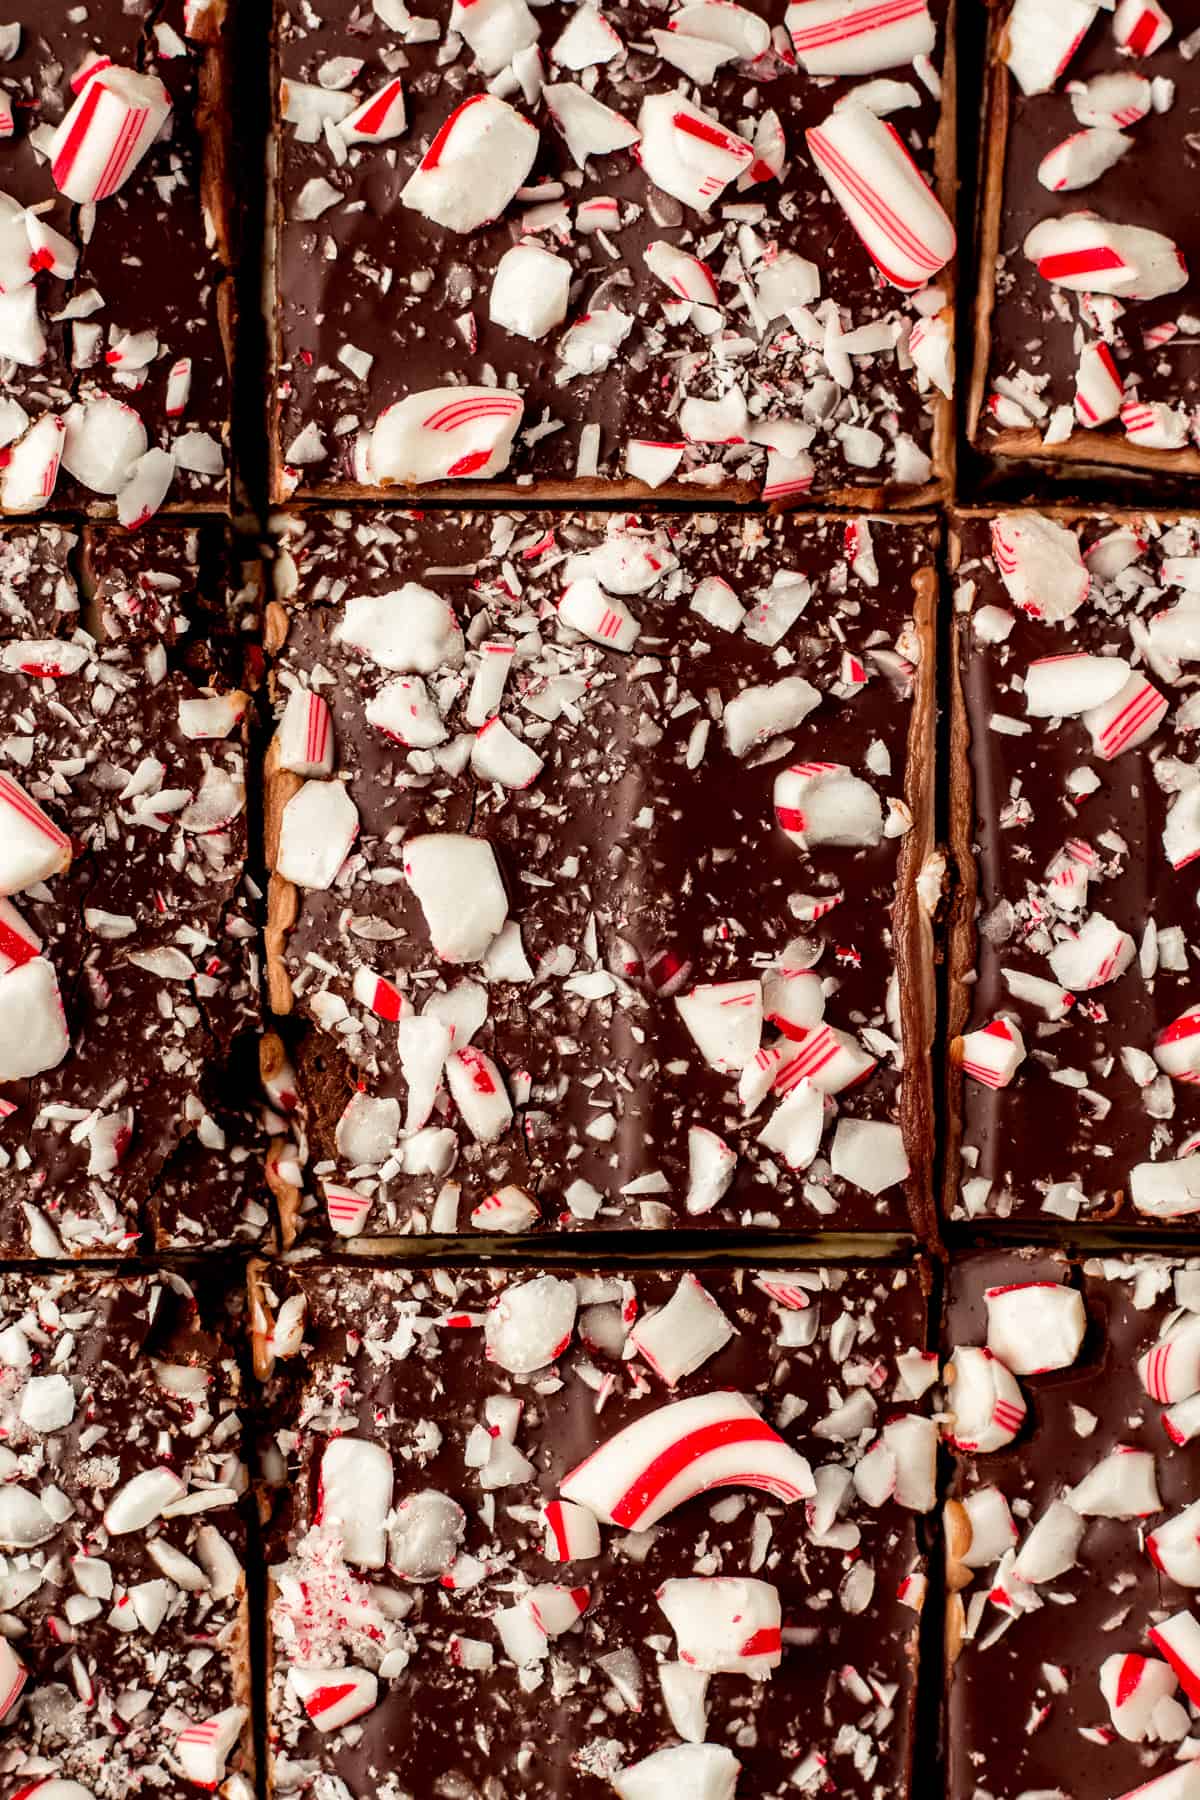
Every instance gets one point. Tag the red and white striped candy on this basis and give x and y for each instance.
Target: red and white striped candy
(1141, 27)
(487, 689)
(383, 997)
(354, 1497)
(572, 1532)
(33, 1027)
(475, 164)
(987, 1402)
(824, 804)
(586, 608)
(831, 1060)
(652, 462)
(678, 1451)
(531, 1324)
(1082, 159)
(13, 1676)
(1062, 687)
(52, 1787)
(1181, 833)
(478, 1091)
(458, 884)
(1040, 565)
(1112, 102)
(1133, 714)
(496, 30)
(1179, 1783)
(318, 827)
(859, 37)
(883, 194)
(678, 1338)
(993, 1054)
(1035, 1326)
(1099, 390)
(685, 275)
(1099, 952)
(179, 387)
(306, 734)
(687, 152)
(202, 1750)
(725, 1625)
(380, 117)
(1154, 425)
(1174, 1546)
(1170, 1371)
(711, 1165)
(1041, 40)
(793, 1000)
(1087, 254)
(1179, 1640)
(31, 474)
(346, 1209)
(1133, 1687)
(795, 1128)
(701, 1771)
(725, 1019)
(19, 942)
(32, 848)
(445, 434)
(332, 1697)
(586, 40)
(107, 132)
(1121, 1486)
(1177, 1048)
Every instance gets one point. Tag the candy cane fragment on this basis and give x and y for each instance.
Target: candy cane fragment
(107, 132)
(880, 189)
(859, 37)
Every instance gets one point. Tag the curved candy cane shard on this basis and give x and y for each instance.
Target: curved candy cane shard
(883, 194)
(681, 1450)
(445, 434)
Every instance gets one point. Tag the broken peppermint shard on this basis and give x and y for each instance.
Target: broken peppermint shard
(1177, 1048)
(1170, 1371)
(687, 152)
(859, 37)
(1121, 1486)
(202, 1750)
(1141, 27)
(572, 1532)
(1166, 1190)
(107, 132)
(457, 882)
(725, 1625)
(1062, 687)
(379, 118)
(1089, 255)
(531, 1324)
(474, 166)
(19, 942)
(32, 848)
(1041, 566)
(1082, 159)
(1098, 953)
(679, 1337)
(306, 735)
(711, 1166)
(1041, 40)
(988, 1407)
(824, 804)
(1035, 1326)
(332, 1697)
(529, 291)
(1099, 390)
(33, 1026)
(355, 1498)
(993, 1054)
(883, 194)
(1174, 1547)
(679, 1451)
(444, 434)
(1133, 1686)
(586, 608)
(725, 1019)
(1179, 1640)
(701, 1771)
(319, 825)
(411, 631)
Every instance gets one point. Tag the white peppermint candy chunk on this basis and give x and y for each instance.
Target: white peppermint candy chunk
(1123, 1485)
(445, 434)
(104, 440)
(832, 1060)
(678, 1338)
(32, 848)
(19, 942)
(496, 30)
(319, 825)
(701, 1771)
(487, 689)
(311, 109)
(678, 1451)
(590, 127)
(1087, 254)
(1154, 425)
(687, 152)
(786, 283)
(859, 37)
(1034, 1326)
(993, 1532)
(457, 882)
(1133, 1686)
(586, 40)
(1177, 1047)
(1181, 833)
(987, 1403)
(1040, 40)
(426, 1531)
(739, 30)
(480, 157)
(723, 421)
(145, 489)
(794, 1129)
(820, 804)
(1051, 1547)
(13, 1676)
(572, 1533)
(711, 1166)
(556, 1608)
(529, 291)
(793, 999)
(1179, 1640)
(931, 346)
(423, 1045)
(725, 1020)
(993, 1054)
(24, 1521)
(202, 1750)
(1174, 1546)
(594, 340)
(1099, 390)
(142, 1500)
(1166, 1190)
(531, 1324)
(405, 711)
(1065, 686)
(22, 339)
(1040, 565)
(883, 194)
(16, 265)
(1099, 952)
(650, 462)
(725, 1625)
(1133, 715)
(510, 1210)
(685, 275)
(33, 1027)
(478, 1091)
(380, 118)
(1170, 1371)
(625, 562)
(53, 253)
(305, 735)
(107, 132)
(498, 755)
(355, 1496)
(870, 1154)
(1141, 27)
(368, 1129)
(412, 630)
(684, 1693)
(1082, 159)
(586, 608)
(759, 713)
(332, 1697)
(213, 716)
(1113, 101)
(346, 1209)
(912, 1443)
(31, 475)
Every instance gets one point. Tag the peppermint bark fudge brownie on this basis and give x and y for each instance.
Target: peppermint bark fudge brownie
(115, 247)
(128, 959)
(579, 1534)
(1072, 1529)
(603, 252)
(1075, 816)
(125, 1656)
(1088, 342)
(597, 850)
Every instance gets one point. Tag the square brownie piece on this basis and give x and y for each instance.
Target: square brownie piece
(601, 849)
(621, 1529)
